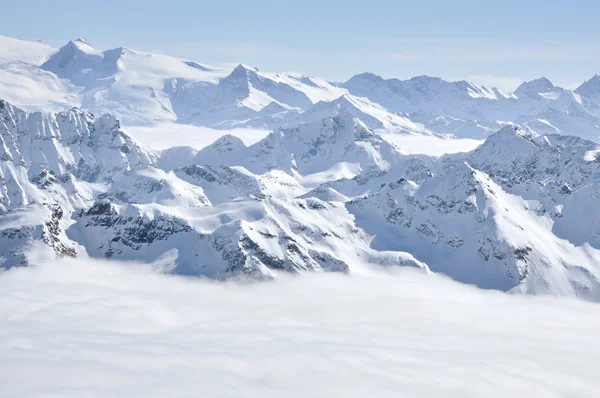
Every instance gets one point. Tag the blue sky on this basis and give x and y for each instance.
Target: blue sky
(491, 42)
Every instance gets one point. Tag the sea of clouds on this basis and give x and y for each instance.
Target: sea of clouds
(83, 328)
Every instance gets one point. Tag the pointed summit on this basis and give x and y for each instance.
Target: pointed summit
(75, 55)
(83, 39)
(509, 138)
(242, 69)
(80, 45)
(241, 74)
(590, 89)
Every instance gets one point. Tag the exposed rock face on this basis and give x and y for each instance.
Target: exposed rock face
(516, 213)
(52, 164)
(519, 213)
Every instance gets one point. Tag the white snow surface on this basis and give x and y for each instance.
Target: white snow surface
(517, 213)
(29, 52)
(351, 202)
(431, 145)
(74, 328)
(245, 172)
(167, 135)
(142, 88)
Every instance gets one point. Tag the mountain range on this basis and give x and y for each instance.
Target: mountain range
(325, 191)
(142, 88)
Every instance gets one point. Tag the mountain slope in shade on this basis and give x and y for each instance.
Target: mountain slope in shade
(590, 89)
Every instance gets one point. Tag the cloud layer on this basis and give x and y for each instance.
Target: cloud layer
(85, 328)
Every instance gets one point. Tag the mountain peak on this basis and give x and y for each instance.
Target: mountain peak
(590, 88)
(75, 60)
(83, 40)
(425, 78)
(534, 87)
(79, 45)
(243, 69)
(510, 132)
(366, 76)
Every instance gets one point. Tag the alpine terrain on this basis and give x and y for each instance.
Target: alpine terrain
(328, 189)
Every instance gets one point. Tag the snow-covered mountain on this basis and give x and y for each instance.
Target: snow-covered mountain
(373, 115)
(339, 142)
(74, 184)
(516, 214)
(326, 190)
(143, 88)
(52, 164)
(464, 109)
(590, 89)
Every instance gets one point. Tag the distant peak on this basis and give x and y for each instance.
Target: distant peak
(83, 40)
(590, 88)
(540, 81)
(544, 81)
(535, 86)
(425, 78)
(512, 131)
(241, 73)
(273, 107)
(79, 45)
(244, 68)
(228, 140)
(367, 76)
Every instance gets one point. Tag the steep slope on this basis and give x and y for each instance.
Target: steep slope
(372, 115)
(555, 170)
(74, 184)
(142, 89)
(247, 97)
(503, 216)
(590, 89)
(470, 111)
(339, 141)
(50, 165)
(24, 83)
(126, 83)
(429, 94)
(28, 52)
